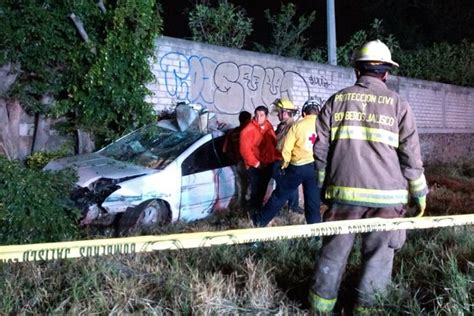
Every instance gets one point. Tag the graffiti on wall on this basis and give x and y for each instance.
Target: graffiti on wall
(188, 78)
(228, 87)
(320, 81)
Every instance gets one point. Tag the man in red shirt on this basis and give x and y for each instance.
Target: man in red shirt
(258, 150)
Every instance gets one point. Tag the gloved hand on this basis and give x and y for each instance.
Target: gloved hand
(420, 203)
(321, 175)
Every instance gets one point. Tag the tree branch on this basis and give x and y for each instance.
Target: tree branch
(8, 76)
(80, 28)
(101, 6)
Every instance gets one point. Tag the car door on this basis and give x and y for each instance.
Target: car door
(225, 174)
(207, 182)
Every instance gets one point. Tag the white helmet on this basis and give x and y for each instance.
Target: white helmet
(314, 103)
(375, 51)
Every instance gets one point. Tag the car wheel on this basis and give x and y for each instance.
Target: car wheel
(153, 213)
(145, 216)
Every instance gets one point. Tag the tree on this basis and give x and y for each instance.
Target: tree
(344, 52)
(97, 82)
(443, 62)
(225, 25)
(288, 39)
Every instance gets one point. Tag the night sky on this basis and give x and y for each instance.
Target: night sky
(415, 21)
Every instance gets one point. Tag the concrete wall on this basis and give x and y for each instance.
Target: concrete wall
(228, 81)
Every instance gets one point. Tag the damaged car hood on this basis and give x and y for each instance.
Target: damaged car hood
(93, 166)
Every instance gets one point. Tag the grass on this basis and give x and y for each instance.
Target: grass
(433, 272)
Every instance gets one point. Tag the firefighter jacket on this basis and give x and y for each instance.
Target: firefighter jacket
(281, 131)
(368, 151)
(299, 142)
(258, 144)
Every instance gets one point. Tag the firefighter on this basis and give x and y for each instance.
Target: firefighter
(297, 168)
(286, 111)
(368, 156)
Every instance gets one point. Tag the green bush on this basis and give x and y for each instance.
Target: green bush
(288, 31)
(225, 25)
(35, 205)
(41, 158)
(98, 86)
(443, 62)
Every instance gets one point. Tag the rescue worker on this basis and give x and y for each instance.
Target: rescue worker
(297, 168)
(231, 148)
(258, 150)
(286, 110)
(368, 156)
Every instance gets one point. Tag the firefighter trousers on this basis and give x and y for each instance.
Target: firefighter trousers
(378, 249)
(286, 186)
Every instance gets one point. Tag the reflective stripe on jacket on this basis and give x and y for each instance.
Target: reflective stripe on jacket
(258, 144)
(299, 142)
(368, 138)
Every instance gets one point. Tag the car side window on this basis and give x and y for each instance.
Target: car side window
(207, 157)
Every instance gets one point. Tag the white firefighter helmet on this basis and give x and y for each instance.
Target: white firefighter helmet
(374, 51)
(313, 104)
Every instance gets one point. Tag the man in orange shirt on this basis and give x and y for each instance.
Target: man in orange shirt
(258, 150)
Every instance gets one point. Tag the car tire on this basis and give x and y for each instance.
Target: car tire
(145, 216)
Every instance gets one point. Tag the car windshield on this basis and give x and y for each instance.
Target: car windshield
(151, 146)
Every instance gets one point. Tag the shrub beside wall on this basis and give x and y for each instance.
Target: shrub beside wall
(35, 205)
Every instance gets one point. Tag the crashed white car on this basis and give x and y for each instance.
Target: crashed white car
(153, 175)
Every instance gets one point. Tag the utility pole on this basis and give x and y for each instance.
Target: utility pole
(331, 30)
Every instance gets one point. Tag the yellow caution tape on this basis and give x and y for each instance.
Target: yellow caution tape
(128, 245)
